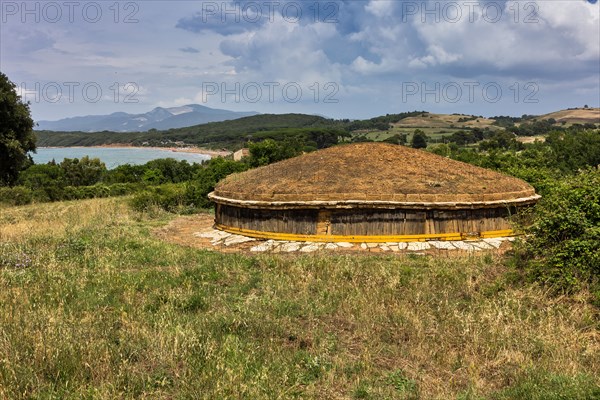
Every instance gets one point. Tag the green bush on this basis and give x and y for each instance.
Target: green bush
(563, 249)
(169, 197)
(16, 196)
(82, 172)
(123, 189)
(204, 181)
(19, 195)
(269, 151)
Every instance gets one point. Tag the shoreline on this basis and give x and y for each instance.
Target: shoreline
(193, 150)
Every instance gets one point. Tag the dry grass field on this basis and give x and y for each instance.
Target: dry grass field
(93, 305)
(444, 121)
(575, 116)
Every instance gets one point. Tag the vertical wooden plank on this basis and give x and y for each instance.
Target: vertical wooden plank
(324, 222)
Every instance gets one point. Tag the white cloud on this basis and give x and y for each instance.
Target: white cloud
(380, 8)
(559, 32)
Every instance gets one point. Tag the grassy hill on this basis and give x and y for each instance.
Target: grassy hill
(428, 120)
(94, 305)
(434, 125)
(574, 116)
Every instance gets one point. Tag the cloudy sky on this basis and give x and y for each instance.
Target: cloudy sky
(338, 58)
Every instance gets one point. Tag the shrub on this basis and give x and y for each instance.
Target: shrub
(169, 197)
(206, 178)
(563, 250)
(269, 151)
(16, 196)
(82, 172)
(419, 140)
(123, 189)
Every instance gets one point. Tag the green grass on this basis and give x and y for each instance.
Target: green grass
(432, 133)
(93, 305)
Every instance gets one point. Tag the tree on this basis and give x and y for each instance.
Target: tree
(462, 138)
(207, 177)
(46, 180)
(419, 139)
(269, 151)
(396, 139)
(40, 176)
(575, 149)
(501, 140)
(84, 172)
(16, 132)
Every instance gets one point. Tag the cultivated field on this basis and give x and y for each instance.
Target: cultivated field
(94, 305)
(429, 120)
(436, 126)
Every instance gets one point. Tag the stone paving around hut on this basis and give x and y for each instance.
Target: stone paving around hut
(220, 239)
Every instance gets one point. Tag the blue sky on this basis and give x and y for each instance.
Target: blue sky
(342, 59)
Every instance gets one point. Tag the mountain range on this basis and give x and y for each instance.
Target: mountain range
(159, 118)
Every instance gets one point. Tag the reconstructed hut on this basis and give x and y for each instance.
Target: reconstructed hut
(369, 192)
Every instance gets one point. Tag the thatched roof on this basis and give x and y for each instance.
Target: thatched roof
(372, 172)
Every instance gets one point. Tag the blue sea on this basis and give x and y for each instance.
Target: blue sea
(114, 156)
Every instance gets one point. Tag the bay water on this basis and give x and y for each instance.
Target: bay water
(114, 156)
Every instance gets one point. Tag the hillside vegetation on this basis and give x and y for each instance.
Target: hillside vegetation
(230, 134)
(574, 116)
(394, 128)
(96, 306)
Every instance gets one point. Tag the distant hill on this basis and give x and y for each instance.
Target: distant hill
(233, 134)
(159, 119)
(229, 134)
(574, 116)
(428, 120)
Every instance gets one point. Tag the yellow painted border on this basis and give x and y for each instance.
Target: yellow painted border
(362, 239)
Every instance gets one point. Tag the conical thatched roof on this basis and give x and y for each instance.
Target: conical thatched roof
(373, 172)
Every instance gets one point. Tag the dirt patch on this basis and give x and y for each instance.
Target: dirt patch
(186, 231)
(531, 139)
(181, 230)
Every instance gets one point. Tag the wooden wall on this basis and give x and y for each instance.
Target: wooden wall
(300, 222)
(364, 221)
(413, 222)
